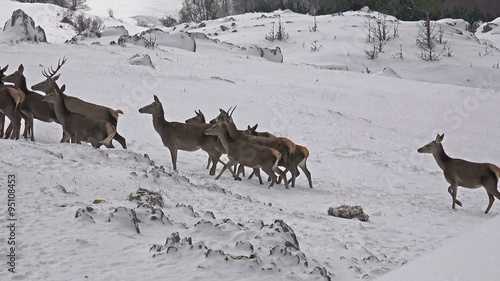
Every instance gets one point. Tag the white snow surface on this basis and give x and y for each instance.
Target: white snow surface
(362, 130)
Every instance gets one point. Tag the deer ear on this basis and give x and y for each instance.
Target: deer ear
(21, 68)
(56, 77)
(5, 68)
(156, 98)
(63, 88)
(439, 138)
(255, 127)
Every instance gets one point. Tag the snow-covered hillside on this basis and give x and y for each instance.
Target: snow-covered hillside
(115, 214)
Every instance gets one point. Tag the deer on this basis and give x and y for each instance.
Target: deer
(33, 106)
(296, 159)
(10, 100)
(2, 116)
(283, 145)
(79, 106)
(241, 151)
(181, 136)
(198, 119)
(77, 126)
(458, 172)
(253, 131)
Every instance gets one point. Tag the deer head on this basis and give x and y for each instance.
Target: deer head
(432, 146)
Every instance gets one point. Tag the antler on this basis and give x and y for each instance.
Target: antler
(53, 72)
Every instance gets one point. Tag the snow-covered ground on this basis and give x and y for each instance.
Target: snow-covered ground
(114, 214)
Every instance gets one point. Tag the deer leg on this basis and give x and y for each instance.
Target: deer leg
(256, 171)
(120, 140)
(491, 189)
(229, 164)
(277, 170)
(303, 167)
(8, 131)
(209, 161)
(271, 174)
(453, 190)
(31, 130)
(173, 155)
(214, 159)
(2, 124)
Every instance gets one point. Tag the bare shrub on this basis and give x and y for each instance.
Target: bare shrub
(169, 21)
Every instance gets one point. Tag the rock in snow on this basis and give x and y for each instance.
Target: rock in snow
(21, 27)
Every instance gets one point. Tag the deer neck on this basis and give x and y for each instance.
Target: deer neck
(441, 157)
(232, 130)
(159, 120)
(21, 84)
(60, 109)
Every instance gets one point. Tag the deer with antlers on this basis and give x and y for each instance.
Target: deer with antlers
(77, 105)
(181, 136)
(77, 126)
(242, 151)
(10, 99)
(458, 172)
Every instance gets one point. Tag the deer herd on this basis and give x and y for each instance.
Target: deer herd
(82, 121)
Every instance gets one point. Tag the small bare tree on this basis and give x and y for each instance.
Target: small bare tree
(278, 33)
(427, 41)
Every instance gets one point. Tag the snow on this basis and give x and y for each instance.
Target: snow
(83, 212)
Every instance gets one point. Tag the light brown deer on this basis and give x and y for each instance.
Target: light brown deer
(181, 136)
(33, 105)
(80, 127)
(458, 172)
(79, 106)
(241, 151)
(296, 159)
(10, 100)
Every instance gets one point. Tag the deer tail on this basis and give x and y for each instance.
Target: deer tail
(111, 131)
(18, 96)
(115, 113)
(495, 170)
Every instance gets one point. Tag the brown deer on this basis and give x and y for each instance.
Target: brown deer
(253, 131)
(2, 116)
(80, 106)
(181, 136)
(33, 106)
(80, 127)
(241, 151)
(199, 118)
(283, 145)
(296, 159)
(458, 172)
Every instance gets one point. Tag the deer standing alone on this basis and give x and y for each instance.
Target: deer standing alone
(458, 172)
(80, 127)
(181, 136)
